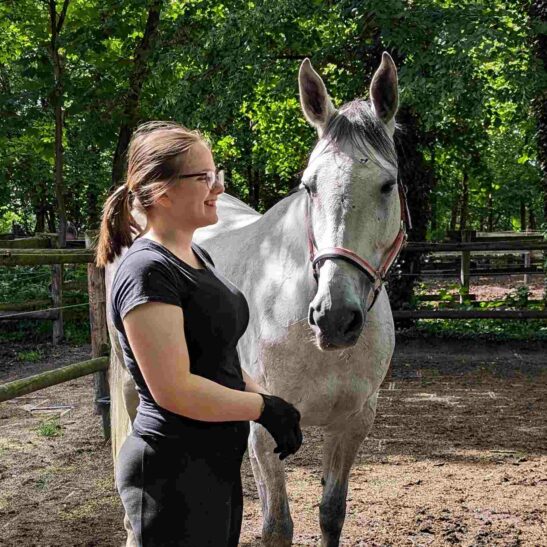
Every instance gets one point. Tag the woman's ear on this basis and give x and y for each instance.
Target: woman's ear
(164, 200)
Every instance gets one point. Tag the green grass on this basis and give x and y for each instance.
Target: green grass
(50, 427)
(31, 355)
(43, 481)
(492, 329)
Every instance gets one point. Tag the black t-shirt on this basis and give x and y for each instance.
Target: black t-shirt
(216, 315)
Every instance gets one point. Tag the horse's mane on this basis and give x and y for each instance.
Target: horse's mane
(356, 123)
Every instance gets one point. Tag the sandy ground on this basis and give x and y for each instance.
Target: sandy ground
(457, 456)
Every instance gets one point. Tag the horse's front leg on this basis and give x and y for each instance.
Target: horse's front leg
(342, 441)
(269, 474)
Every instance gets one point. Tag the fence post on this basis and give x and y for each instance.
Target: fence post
(57, 295)
(466, 235)
(99, 332)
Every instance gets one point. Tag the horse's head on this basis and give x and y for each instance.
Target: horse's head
(353, 201)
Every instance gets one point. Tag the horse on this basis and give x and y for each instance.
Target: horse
(321, 332)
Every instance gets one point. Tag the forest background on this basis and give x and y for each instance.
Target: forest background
(77, 76)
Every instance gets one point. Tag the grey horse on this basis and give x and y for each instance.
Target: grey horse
(321, 331)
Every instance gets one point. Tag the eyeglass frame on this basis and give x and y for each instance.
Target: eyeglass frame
(218, 177)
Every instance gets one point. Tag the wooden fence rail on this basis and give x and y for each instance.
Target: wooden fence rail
(432, 247)
(50, 378)
(35, 257)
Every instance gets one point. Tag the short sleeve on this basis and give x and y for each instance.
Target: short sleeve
(145, 277)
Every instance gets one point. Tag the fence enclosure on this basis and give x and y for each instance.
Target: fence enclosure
(18, 252)
(42, 250)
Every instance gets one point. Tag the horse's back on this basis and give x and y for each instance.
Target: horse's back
(233, 214)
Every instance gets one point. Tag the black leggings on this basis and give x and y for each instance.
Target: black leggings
(179, 497)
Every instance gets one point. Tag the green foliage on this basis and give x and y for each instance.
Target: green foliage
(475, 329)
(77, 333)
(23, 284)
(229, 68)
(51, 427)
(6, 221)
(31, 355)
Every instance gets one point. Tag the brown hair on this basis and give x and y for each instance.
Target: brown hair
(154, 158)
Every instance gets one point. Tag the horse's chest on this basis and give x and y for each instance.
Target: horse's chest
(325, 386)
(330, 397)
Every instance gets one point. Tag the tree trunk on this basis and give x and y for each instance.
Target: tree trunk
(419, 177)
(434, 223)
(490, 213)
(454, 214)
(531, 219)
(141, 69)
(40, 207)
(253, 181)
(538, 14)
(50, 216)
(40, 220)
(464, 201)
(56, 23)
(522, 216)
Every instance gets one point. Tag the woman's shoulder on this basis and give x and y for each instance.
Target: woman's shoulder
(145, 275)
(140, 259)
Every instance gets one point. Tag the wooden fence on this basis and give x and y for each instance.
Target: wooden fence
(469, 243)
(19, 254)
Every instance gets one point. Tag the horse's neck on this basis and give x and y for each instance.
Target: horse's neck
(283, 229)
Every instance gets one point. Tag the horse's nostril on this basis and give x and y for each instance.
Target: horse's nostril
(311, 311)
(355, 322)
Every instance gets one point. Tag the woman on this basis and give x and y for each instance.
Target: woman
(179, 321)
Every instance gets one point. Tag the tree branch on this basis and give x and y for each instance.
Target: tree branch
(62, 16)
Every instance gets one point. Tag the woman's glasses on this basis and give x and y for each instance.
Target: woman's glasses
(210, 177)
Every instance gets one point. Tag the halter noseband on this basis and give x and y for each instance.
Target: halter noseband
(376, 276)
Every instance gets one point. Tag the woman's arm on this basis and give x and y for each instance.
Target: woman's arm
(155, 331)
(252, 386)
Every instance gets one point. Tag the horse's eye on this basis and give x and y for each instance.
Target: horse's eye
(363, 161)
(387, 187)
(308, 188)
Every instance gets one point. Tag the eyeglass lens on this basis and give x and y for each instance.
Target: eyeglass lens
(217, 178)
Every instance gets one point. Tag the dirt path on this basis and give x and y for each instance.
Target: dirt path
(457, 456)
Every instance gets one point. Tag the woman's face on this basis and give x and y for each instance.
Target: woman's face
(190, 203)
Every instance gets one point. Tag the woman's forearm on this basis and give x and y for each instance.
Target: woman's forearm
(252, 386)
(205, 400)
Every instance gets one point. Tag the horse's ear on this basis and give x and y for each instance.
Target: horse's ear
(384, 89)
(314, 98)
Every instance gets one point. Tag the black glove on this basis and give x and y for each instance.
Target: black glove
(282, 420)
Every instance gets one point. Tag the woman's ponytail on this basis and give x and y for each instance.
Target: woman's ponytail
(117, 226)
(155, 157)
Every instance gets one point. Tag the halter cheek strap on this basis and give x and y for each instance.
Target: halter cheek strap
(376, 276)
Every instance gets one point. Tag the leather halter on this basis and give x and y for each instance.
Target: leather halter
(376, 276)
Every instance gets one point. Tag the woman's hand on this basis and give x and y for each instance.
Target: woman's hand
(282, 420)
